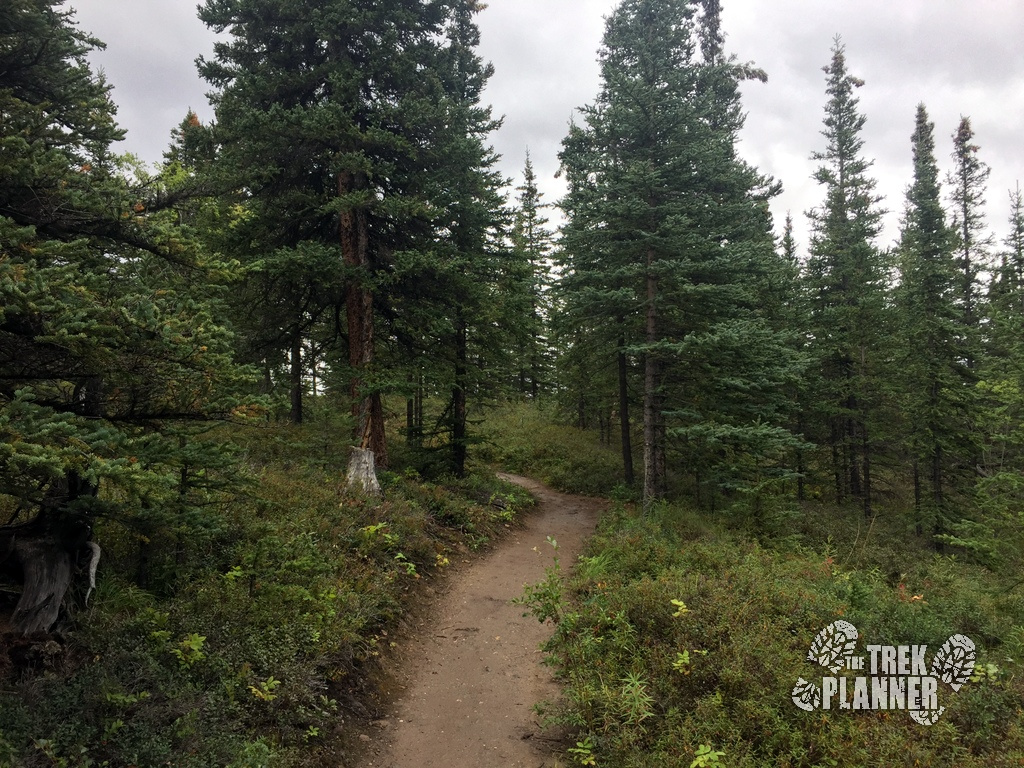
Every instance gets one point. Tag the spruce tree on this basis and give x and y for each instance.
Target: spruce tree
(531, 249)
(846, 283)
(596, 312)
(111, 340)
(332, 119)
(935, 382)
(674, 237)
(967, 195)
(1002, 374)
(470, 228)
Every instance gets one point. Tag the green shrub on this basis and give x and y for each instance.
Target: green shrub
(678, 641)
(237, 651)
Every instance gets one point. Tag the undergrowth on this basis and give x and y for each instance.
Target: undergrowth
(240, 642)
(679, 637)
(523, 438)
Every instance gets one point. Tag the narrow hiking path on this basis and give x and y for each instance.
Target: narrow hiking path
(471, 673)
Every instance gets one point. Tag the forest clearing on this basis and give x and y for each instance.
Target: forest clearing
(257, 402)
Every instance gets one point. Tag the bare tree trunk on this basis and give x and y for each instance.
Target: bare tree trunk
(362, 472)
(48, 550)
(367, 410)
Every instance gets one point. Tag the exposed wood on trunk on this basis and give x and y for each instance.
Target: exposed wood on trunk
(354, 232)
(48, 571)
(362, 473)
(47, 550)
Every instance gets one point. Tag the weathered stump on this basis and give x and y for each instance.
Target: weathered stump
(48, 570)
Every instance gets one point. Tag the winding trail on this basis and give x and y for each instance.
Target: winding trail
(469, 677)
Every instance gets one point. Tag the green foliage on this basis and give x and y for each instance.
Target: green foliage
(677, 634)
(667, 253)
(844, 282)
(521, 437)
(248, 659)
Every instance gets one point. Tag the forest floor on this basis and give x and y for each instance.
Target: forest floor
(464, 679)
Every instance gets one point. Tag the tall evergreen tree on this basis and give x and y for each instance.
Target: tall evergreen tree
(471, 225)
(331, 119)
(846, 278)
(531, 250)
(934, 375)
(1002, 375)
(109, 336)
(967, 195)
(675, 234)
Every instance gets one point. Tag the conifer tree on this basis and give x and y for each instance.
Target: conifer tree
(531, 248)
(1002, 375)
(967, 195)
(110, 337)
(674, 236)
(471, 227)
(936, 396)
(331, 118)
(846, 282)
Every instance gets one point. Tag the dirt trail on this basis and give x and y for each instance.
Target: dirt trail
(471, 673)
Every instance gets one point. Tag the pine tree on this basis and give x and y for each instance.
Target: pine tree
(331, 118)
(531, 249)
(846, 281)
(674, 237)
(471, 227)
(967, 194)
(1002, 375)
(595, 308)
(110, 336)
(934, 375)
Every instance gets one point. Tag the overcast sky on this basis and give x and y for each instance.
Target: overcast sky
(959, 57)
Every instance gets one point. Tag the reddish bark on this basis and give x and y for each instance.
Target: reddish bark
(354, 231)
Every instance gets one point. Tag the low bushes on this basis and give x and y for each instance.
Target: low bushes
(251, 635)
(680, 642)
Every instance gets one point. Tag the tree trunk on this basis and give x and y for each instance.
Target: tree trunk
(47, 550)
(367, 410)
(296, 377)
(626, 437)
(654, 426)
(459, 400)
(938, 499)
(866, 451)
(362, 473)
(837, 465)
(801, 470)
(918, 512)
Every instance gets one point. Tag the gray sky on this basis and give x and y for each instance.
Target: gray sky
(959, 57)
